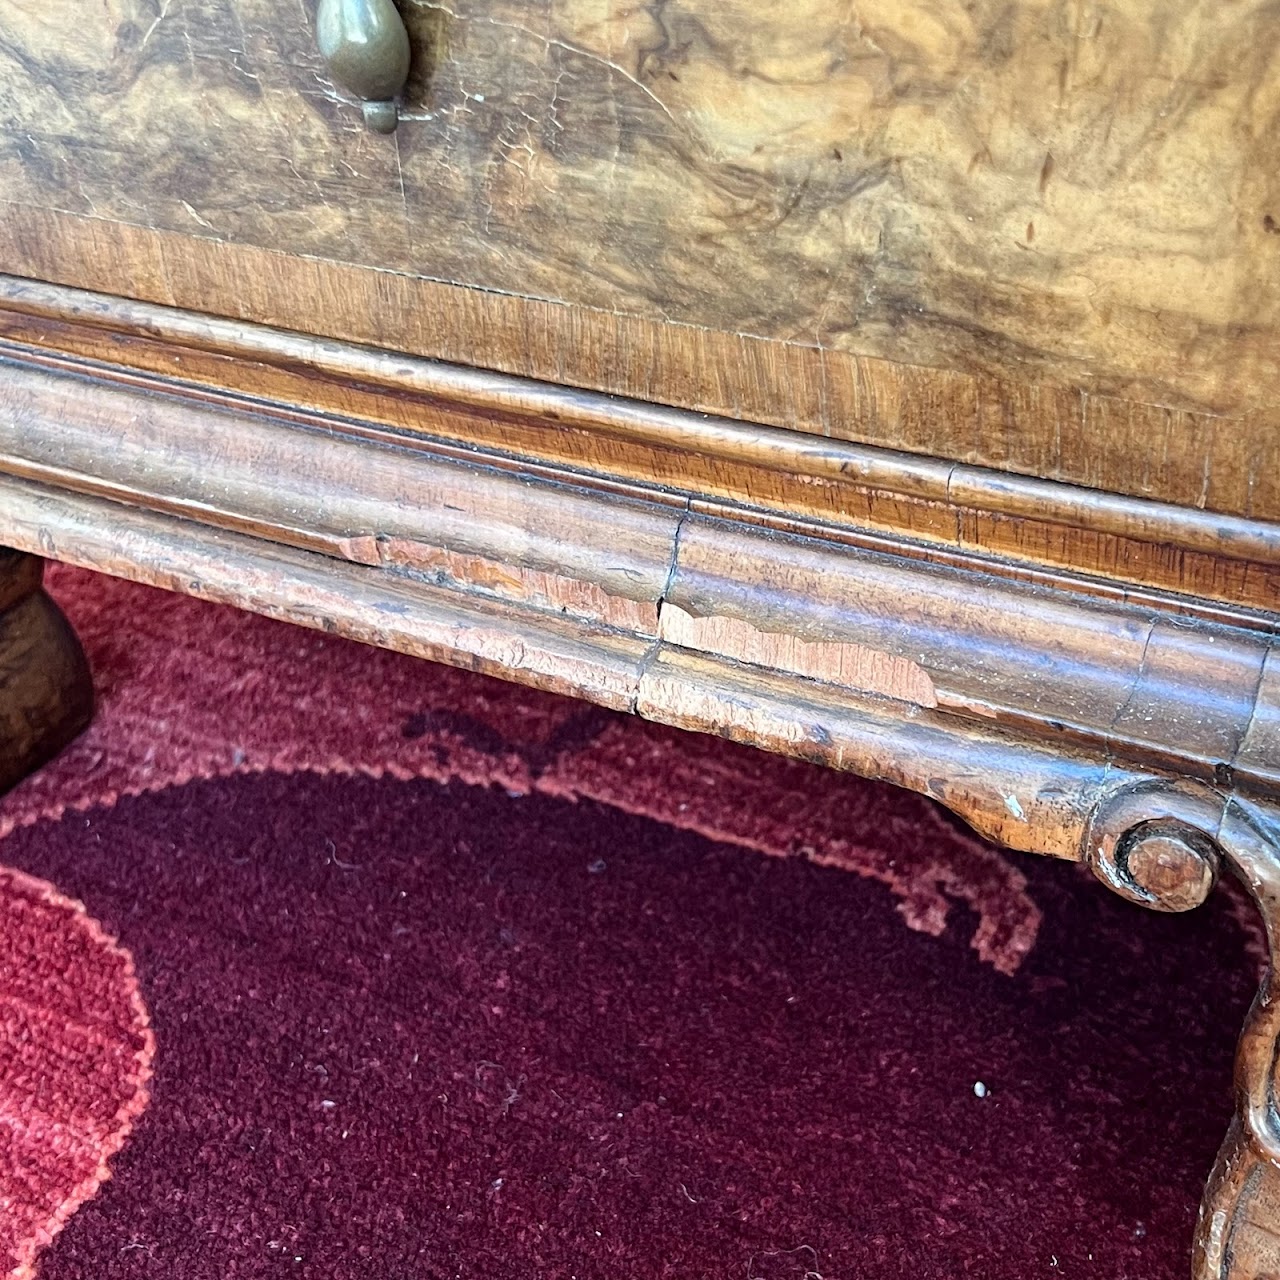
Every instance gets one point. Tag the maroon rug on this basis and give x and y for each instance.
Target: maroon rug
(75, 1057)
(451, 979)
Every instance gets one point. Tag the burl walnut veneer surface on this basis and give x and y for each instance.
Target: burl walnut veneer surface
(1039, 236)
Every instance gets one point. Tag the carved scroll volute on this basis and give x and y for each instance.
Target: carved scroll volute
(366, 49)
(1154, 845)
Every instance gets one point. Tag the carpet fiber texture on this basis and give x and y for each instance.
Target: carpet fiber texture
(450, 979)
(75, 1057)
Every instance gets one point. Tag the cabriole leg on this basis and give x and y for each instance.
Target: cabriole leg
(1238, 1237)
(46, 697)
(1163, 849)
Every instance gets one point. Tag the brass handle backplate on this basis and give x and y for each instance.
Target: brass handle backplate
(366, 48)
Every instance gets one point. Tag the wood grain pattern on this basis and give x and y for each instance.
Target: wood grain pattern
(1035, 237)
(1221, 567)
(1010, 654)
(46, 697)
(328, 491)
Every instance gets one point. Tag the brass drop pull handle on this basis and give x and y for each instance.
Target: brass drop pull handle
(366, 48)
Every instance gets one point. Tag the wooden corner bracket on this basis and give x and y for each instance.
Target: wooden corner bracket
(1086, 676)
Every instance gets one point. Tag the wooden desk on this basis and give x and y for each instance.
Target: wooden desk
(895, 385)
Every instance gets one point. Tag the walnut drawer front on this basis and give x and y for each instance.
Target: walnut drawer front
(1040, 237)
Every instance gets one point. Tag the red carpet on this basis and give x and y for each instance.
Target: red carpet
(451, 979)
(75, 1056)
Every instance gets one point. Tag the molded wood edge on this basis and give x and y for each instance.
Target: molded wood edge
(1059, 666)
(1077, 434)
(1028, 525)
(1033, 796)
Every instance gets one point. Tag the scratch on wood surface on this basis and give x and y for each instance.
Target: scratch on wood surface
(404, 198)
(159, 18)
(553, 42)
(202, 221)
